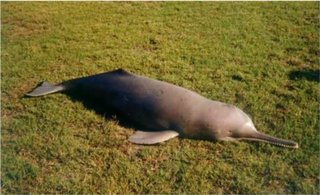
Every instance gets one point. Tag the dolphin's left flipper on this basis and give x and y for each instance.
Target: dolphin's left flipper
(145, 137)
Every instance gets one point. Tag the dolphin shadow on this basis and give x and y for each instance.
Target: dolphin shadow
(310, 75)
(101, 109)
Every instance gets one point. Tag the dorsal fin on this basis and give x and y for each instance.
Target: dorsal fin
(120, 71)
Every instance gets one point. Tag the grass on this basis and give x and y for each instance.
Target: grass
(259, 56)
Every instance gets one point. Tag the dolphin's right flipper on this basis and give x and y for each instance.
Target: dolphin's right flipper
(45, 88)
(145, 137)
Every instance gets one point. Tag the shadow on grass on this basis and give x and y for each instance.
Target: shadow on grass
(310, 75)
(99, 108)
(107, 112)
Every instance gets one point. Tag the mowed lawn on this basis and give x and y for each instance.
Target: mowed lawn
(260, 56)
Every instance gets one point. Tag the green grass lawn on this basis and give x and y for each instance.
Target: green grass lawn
(260, 56)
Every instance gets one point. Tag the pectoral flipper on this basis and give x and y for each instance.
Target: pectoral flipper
(146, 137)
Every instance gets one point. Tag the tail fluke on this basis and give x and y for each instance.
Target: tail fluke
(45, 88)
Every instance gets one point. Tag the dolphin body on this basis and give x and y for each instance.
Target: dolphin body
(166, 109)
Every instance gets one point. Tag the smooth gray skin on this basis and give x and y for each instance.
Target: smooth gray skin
(169, 109)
